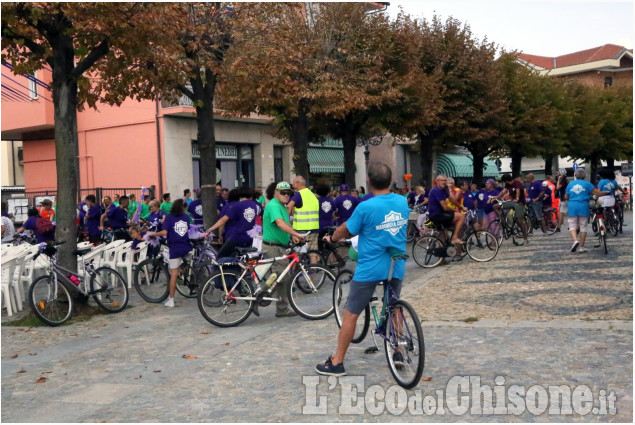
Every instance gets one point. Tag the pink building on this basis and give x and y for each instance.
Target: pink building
(136, 144)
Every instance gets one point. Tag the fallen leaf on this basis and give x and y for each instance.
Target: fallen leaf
(227, 343)
(48, 371)
(138, 377)
(14, 356)
(34, 332)
(26, 330)
(156, 371)
(205, 332)
(188, 356)
(32, 354)
(21, 371)
(426, 378)
(42, 379)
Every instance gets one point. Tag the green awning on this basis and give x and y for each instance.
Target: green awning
(455, 165)
(325, 160)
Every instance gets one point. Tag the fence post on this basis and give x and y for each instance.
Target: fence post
(98, 195)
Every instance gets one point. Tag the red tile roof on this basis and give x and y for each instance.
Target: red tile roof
(608, 51)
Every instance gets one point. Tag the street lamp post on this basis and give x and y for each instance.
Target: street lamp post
(374, 140)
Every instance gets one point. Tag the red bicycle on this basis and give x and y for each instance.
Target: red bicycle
(228, 297)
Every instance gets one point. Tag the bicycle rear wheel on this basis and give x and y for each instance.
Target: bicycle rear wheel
(428, 251)
(340, 295)
(411, 231)
(50, 301)
(152, 280)
(404, 346)
(110, 290)
(219, 308)
(551, 222)
(311, 293)
(517, 235)
(481, 246)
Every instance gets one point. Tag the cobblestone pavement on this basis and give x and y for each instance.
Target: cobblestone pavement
(130, 367)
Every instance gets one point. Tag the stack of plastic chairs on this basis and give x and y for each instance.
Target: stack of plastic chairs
(128, 259)
(12, 258)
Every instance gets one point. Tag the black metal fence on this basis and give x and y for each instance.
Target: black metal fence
(36, 197)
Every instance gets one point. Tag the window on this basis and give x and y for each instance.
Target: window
(33, 86)
(608, 81)
(277, 163)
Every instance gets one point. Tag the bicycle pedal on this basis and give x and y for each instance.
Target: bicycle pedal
(371, 350)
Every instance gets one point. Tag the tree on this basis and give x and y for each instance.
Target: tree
(314, 60)
(537, 121)
(470, 93)
(93, 50)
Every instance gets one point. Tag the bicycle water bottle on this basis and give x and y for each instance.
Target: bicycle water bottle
(271, 279)
(74, 279)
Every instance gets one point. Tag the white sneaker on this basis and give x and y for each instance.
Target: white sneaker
(582, 249)
(574, 247)
(169, 302)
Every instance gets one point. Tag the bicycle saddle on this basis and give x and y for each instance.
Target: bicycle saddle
(395, 254)
(245, 250)
(228, 261)
(81, 252)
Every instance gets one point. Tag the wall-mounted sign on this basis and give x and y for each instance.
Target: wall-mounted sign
(222, 151)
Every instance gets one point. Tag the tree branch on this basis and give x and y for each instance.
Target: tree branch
(97, 53)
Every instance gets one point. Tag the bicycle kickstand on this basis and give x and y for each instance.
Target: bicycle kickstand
(374, 349)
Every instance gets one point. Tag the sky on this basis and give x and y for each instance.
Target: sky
(543, 28)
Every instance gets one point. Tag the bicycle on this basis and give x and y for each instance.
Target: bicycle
(333, 255)
(549, 215)
(480, 245)
(502, 229)
(598, 223)
(619, 209)
(152, 276)
(228, 298)
(397, 324)
(50, 295)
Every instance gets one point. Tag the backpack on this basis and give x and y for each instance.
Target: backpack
(44, 226)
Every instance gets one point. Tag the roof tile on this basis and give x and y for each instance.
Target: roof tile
(608, 51)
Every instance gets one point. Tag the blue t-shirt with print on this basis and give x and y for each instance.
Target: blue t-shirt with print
(534, 189)
(195, 209)
(242, 218)
(434, 201)
(579, 192)
(606, 185)
(327, 206)
(380, 223)
(345, 206)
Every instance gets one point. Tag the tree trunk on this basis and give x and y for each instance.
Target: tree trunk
(207, 145)
(427, 143)
(478, 161)
(299, 134)
(549, 166)
(66, 152)
(349, 143)
(610, 163)
(517, 158)
(595, 161)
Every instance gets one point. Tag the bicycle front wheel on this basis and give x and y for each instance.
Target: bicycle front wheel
(340, 295)
(310, 292)
(184, 284)
(109, 289)
(428, 251)
(481, 246)
(603, 241)
(152, 280)
(50, 301)
(404, 346)
(218, 307)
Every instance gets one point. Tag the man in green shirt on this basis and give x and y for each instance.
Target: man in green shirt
(166, 205)
(276, 234)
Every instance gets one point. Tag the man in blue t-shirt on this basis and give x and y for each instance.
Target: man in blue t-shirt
(345, 205)
(579, 193)
(381, 225)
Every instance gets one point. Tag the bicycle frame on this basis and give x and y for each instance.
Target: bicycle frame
(58, 271)
(250, 267)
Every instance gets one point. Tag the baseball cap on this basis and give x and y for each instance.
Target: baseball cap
(491, 181)
(545, 183)
(344, 187)
(283, 186)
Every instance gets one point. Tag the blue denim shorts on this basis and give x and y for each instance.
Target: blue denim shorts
(481, 213)
(361, 293)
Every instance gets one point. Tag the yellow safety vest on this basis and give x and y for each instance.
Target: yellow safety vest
(307, 217)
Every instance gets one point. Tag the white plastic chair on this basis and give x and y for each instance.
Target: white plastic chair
(111, 254)
(10, 285)
(126, 260)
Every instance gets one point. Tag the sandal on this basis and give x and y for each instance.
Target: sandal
(458, 242)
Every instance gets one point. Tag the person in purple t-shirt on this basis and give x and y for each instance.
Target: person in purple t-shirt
(118, 219)
(195, 208)
(345, 205)
(239, 218)
(29, 224)
(327, 207)
(516, 192)
(175, 227)
(92, 219)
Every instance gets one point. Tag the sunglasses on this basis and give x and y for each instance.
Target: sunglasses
(286, 192)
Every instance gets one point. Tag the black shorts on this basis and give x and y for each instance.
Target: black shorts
(446, 219)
